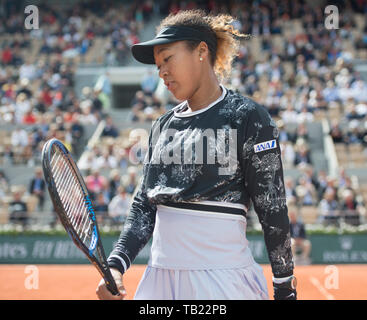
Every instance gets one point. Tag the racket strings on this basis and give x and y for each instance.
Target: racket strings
(71, 196)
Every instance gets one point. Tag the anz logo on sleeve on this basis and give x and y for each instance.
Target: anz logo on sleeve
(267, 145)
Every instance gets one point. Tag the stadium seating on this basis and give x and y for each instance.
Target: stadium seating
(111, 35)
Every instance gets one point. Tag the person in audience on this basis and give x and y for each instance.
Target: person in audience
(301, 246)
(119, 206)
(114, 182)
(306, 192)
(329, 209)
(106, 161)
(308, 172)
(301, 133)
(95, 183)
(304, 116)
(284, 135)
(131, 180)
(350, 208)
(290, 190)
(37, 187)
(303, 155)
(110, 129)
(288, 153)
(18, 209)
(322, 183)
(336, 132)
(101, 207)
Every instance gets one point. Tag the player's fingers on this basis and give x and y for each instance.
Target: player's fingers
(122, 291)
(104, 294)
(119, 282)
(121, 288)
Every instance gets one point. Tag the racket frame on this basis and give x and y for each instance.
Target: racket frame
(101, 266)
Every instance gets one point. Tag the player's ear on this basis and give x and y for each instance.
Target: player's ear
(203, 50)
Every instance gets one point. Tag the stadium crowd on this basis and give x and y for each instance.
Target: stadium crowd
(293, 65)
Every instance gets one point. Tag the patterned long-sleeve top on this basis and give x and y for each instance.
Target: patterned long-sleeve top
(226, 152)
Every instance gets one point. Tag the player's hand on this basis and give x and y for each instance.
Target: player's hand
(104, 294)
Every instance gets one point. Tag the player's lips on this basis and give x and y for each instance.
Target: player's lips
(168, 84)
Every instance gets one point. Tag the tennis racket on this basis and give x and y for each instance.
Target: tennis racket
(74, 207)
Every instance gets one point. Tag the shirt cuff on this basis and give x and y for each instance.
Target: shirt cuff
(281, 280)
(118, 262)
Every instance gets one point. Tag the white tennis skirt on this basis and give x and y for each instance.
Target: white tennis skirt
(218, 284)
(200, 256)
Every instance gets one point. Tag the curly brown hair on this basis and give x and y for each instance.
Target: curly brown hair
(228, 38)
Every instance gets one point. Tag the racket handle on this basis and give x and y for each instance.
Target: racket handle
(111, 286)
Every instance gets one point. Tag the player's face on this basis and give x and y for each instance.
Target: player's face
(179, 67)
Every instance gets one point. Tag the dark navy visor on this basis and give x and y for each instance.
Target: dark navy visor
(143, 52)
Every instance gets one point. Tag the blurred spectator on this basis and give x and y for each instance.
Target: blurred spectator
(350, 208)
(301, 246)
(119, 206)
(289, 115)
(306, 192)
(304, 116)
(302, 155)
(316, 101)
(18, 211)
(37, 187)
(97, 105)
(130, 181)
(95, 183)
(149, 82)
(352, 113)
(329, 209)
(322, 184)
(100, 207)
(330, 92)
(342, 178)
(288, 153)
(6, 56)
(284, 135)
(353, 134)
(87, 117)
(301, 133)
(309, 175)
(24, 88)
(110, 129)
(138, 105)
(106, 160)
(103, 84)
(8, 155)
(290, 190)
(27, 71)
(29, 118)
(114, 182)
(77, 132)
(19, 142)
(22, 107)
(336, 132)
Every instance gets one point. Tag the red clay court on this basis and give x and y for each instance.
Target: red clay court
(78, 282)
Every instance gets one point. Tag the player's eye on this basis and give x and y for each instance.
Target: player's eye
(166, 59)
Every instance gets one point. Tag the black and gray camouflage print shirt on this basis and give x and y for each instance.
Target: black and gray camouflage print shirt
(227, 152)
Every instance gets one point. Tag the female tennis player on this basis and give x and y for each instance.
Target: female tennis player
(209, 159)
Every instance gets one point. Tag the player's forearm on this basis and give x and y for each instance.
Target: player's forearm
(278, 244)
(137, 231)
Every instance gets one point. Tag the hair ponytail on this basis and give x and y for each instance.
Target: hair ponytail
(228, 43)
